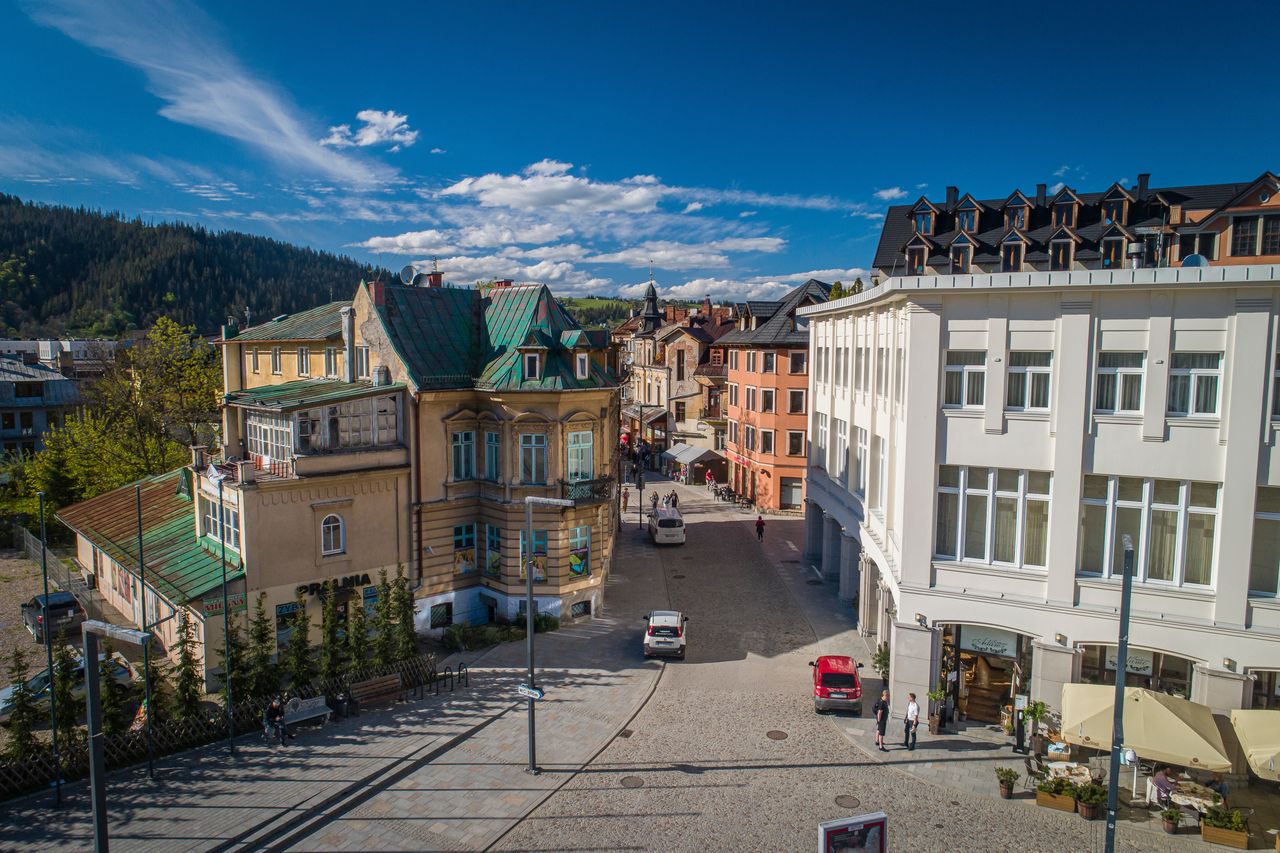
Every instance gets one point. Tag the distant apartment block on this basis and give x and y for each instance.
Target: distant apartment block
(33, 399)
(74, 358)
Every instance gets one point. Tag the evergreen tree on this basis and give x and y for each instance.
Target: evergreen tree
(21, 743)
(188, 683)
(383, 623)
(114, 695)
(160, 709)
(261, 677)
(66, 708)
(297, 657)
(357, 637)
(837, 291)
(330, 646)
(239, 685)
(857, 286)
(406, 634)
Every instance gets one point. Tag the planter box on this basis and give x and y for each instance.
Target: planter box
(1061, 802)
(1225, 837)
(1090, 811)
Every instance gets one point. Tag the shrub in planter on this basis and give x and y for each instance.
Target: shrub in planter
(1170, 818)
(1007, 777)
(1089, 800)
(1221, 825)
(1056, 794)
(1036, 712)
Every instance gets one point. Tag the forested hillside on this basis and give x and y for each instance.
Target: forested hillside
(87, 273)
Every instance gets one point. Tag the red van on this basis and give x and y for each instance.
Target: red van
(836, 685)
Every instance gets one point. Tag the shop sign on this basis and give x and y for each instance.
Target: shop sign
(988, 641)
(350, 581)
(213, 606)
(1139, 662)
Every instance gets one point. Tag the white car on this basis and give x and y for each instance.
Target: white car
(666, 633)
(666, 526)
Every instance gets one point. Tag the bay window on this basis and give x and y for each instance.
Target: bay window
(464, 455)
(1193, 383)
(917, 257)
(581, 456)
(533, 458)
(493, 456)
(224, 526)
(961, 256)
(1028, 381)
(992, 515)
(1011, 255)
(965, 377)
(1119, 382)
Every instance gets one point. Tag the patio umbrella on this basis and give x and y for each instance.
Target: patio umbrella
(1259, 734)
(1156, 725)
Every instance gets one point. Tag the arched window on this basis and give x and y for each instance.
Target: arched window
(333, 539)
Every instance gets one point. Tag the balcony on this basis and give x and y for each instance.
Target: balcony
(711, 413)
(586, 492)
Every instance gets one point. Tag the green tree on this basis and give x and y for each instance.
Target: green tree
(297, 656)
(330, 645)
(357, 636)
(155, 669)
(21, 743)
(837, 291)
(188, 684)
(857, 286)
(406, 634)
(261, 677)
(114, 695)
(66, 708)
(239, 679)
(383, 623)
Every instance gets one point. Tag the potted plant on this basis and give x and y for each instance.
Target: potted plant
(1036, 712)
(1007, 776)
(1089, 799)
(880, 662)
(1057, 794)
(1221, 825)
(936, 695)
(1171, 818)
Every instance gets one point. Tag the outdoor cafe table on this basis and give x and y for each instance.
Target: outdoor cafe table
(1077, 773)
(1193, 794)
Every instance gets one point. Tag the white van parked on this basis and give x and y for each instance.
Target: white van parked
(666, 526)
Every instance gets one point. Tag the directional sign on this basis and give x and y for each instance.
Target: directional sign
(529, 692)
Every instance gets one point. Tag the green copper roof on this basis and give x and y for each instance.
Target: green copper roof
(305, 393)
(435, 332)
(315, 324)
(178, 564)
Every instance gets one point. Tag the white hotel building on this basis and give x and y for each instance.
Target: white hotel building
(982, 442)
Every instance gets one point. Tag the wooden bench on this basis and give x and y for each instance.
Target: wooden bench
(300, 710)
(388, 688)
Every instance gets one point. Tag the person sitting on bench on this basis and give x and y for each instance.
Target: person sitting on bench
(274, 717)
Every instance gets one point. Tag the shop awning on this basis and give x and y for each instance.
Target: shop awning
(651, 413)
(1156, 725)
(674, 451)
(1259, 734)
(692, 455)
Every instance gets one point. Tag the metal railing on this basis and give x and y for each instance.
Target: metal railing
(594, 491)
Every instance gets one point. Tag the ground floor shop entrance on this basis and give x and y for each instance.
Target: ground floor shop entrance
(1153, 670)
(983, 669)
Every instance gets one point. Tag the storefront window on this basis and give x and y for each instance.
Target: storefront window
(1153, 670)
(1266, 689)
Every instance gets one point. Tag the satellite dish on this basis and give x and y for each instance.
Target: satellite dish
(1195, 261)
(419, 280)
(406, 274)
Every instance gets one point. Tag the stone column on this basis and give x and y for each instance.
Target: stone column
(912, 666)
(868, 596)
(830, 549)
(1052, 665)
(1220, 689)
(850, 551)
(812, 531)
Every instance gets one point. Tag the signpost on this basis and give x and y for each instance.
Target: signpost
(868, 832)
(528, 692)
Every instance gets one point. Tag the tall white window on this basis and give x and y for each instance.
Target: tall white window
(581, 465)
(269, 436)
(820, 441)
(333, 536)
(304, 361)
(253, 359)
(733, 394)
(493, 456)
(1264, 567)
(858, 359)
(1029, 378)
(226, 529)
(751, 399)
(766, 399)
(751, 361)
(583, 362)
(1172, 524)
(275, 360)
(533, 366)
(841, 457)
(992, 515)
(1193, 383)
(882, 473)
(882, 371)
(330, 361)
(1119, 387)
(533, 458)
(766, 441)
(464, 455)
(768, 362)
(362, 362)
(965, 378)
(860, 461)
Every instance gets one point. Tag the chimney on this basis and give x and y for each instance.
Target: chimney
(244, 472)
(1041, 191)
(1143, 179)
(435, 278)
(377, 293)
(503, 282)
(706, 305)
(349, 339)
(953, 195)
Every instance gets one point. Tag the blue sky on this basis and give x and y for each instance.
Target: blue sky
(743, 147)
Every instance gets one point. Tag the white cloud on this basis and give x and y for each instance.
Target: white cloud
(744, 214)
(755, 287)
(1061, 171)
(428, 242)
(693, 207)
(201, 83)
(1053, 190)
(547, 166)
(890, 194)
(670, 255)
(544, 185)
(438, 151)
(379, 127)
(922, 186)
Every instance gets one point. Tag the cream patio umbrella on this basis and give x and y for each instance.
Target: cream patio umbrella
(1157, 726)
(1259, 734)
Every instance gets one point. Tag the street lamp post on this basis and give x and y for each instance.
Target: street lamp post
(1122, 668)
(47, 612)
(226, 620)
(529, 502)
(146, 647)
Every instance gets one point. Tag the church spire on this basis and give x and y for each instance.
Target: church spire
(651, 316)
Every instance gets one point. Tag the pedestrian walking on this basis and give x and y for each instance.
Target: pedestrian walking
(912, 722)
(760, 528)
(881, 710)
(626, 498)
(711, 482)
(653, 500)
(675, 500)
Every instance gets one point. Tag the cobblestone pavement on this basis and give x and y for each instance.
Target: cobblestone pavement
(700, 770)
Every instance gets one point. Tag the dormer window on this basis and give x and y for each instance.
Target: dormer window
(1061, 253)
(1015, 217)
(924, 223)
(1113, 253)
(1011, 257)
(967, 221)
(1064, 215)
(961, 255)
(532, 365)
(583, 365)
(1113, 212)
(917, 257)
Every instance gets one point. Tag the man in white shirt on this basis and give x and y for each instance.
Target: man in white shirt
(912, 721)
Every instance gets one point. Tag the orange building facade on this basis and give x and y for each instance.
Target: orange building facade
(766, 399)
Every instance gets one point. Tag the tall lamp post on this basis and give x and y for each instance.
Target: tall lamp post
(47, 612)
(530, 502)
(640, 468)
(146, 647)
(218, 477)
(1122, 669)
